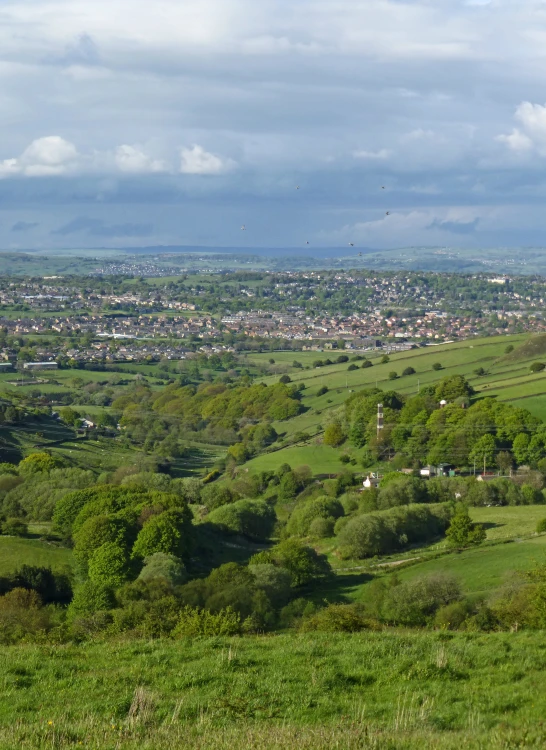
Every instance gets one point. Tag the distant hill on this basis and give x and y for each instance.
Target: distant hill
(533, 348)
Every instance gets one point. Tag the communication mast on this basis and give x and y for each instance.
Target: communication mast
(379, 418)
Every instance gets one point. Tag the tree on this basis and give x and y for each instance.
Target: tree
(385, 359)
(37, 462)
(509, 349)
(238, 452)
(69, 416)
(483, 452)
(109, 565)
(537, 367)
(252, 518)
(14, 527)
(505, 461)
(366, 364)
(333, 434)
(462, 532)
(520, 448)
(393, 375)
(408, 371)
(285, 379)
(160, 565)
(437, 366)
(304, 564)
(169, 532)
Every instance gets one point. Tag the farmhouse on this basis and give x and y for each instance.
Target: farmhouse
(40, 366)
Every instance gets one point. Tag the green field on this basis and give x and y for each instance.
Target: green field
(507, 378)
(15, 552)
(389, 690)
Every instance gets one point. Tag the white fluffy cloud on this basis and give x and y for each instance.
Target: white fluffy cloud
(132, 160)
(51, 155)
(196, 160)
(532, 131)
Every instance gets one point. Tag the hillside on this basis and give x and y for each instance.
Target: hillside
(420, 691)
(533, 348)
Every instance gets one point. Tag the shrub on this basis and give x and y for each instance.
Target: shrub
(14, 527)
(274, 581)
(322, 390)
(462, 532)
(352, 368)
(333, 434)
(452, 616)
(541, 526)
(414, 602)
(195, 622)
(336, 618)
(366, 364)
(537, 367)
(215, 495)
(285, 379)
(322, 528)
(437, 366)
(393, 375)
(37, 462)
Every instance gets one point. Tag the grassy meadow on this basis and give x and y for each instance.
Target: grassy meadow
(370, 690)
(507, 378)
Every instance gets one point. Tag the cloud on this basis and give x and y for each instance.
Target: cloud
(372, 155)
(455, 227)
(98, 228)
(24, 226)
(532, 131)
(132, 160)
(196, 160)
(45, 157)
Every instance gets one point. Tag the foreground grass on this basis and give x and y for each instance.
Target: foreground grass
(371, 690)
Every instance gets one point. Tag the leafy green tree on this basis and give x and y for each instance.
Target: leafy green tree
(215, 495)
(37, 462)
(98, 530)
(462, 532)
(333, 434)
(393, 375)
(239, 453)
(437, 366)
(304, 564)
(537, 367)
(70, 416)
(305, 513)
(170, 532)
(14, 527)
(414, 602)
(252, 518)
(160, 565)
(520, 448)
(408, 371)
(109, 565)
(89, 598)
(484, 449)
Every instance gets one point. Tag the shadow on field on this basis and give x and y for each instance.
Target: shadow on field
(342, 588)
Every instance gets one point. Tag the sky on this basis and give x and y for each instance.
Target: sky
(126, 123)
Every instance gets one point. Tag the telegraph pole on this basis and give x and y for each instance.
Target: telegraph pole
(379, 418)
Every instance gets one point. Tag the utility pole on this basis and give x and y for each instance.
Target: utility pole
(418, 385)
(379, 418)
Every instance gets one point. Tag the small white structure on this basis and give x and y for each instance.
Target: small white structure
(370, 482)
(40, 366)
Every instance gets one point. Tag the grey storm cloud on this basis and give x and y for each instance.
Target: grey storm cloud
(24, 226)
(205, 116)
(97, 228)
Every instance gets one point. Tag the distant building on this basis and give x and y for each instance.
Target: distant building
(499, 280)
(6, 365)
(41, 366)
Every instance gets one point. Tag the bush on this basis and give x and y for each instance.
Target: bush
(462, 532)
(366, 364)
(109, 565)
(393, 375)
(274, 581)
(322, 528)
(322, 390)
(537, 367)
(285, 379)
(352, 368)
(541, 526)
(215, 495)
(409, 371)
(14, 527)
(333, 434)
(195, 622)
(336, 618)
(437, 366)
(303, 563)
(415, 602)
